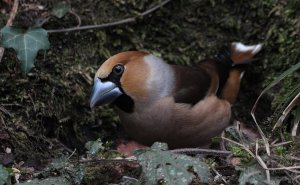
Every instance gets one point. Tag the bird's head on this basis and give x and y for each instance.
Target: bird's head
(121, 78)
(131, 77)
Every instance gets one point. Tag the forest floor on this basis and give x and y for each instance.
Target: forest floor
(45, 116)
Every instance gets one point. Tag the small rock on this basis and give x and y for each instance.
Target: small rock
(8, 150)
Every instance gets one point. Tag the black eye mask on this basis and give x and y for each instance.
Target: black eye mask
(124, 102)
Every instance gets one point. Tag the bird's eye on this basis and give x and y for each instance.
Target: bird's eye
(118, 69)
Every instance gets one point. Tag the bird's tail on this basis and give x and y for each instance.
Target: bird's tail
(239, 54)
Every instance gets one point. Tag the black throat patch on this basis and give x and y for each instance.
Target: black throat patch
(125, 103)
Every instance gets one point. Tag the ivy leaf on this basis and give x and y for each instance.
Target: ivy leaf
(25, 42)
(79, 174)
(59, 163)
(60, 9)
(72, 173)
(4, 175)
(254, 175)
(94, 147)
(240, 134)
(48, 181)
(161, 166)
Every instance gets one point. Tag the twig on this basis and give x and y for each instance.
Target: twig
(105, 161)
(123, 21)
(295, 127)
(267, 145)
(265, 140)
(287, 110)
(282, 143)
(2, 121)
(274, 141)
(34, 107)
(64, 146)
(285, 168)
(262, 163)
(222, 143)
(77, 17)
(282, 137)
(297, 177)
(202, 151)
(294, 158)
(12, 104)
(218, 174)
(9, 22)
(5, 111)
(13, 13)
(72, 154)
(241, 145)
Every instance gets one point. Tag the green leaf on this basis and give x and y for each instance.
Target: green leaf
(157, 146)
(60, 9)
(49, 181)
(296, 113)
(239, 135)
(281, 150)
(4, 175)
(59, 163)
(79, 174)
(25, 42)
(282, 76)
(254, 175)
(276, 81)
(94, 147)
(290, 96)
(73, 172)
(160, 166)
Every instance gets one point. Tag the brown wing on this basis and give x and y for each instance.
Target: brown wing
(220, 76)
(192, 84)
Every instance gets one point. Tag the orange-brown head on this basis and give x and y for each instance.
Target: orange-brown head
(130, 77)
(120, 75)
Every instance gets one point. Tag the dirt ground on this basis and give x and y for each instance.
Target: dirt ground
(45, 113)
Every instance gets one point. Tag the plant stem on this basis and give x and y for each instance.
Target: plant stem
(105, 25)
(9, 22)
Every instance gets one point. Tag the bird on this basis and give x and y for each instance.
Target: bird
(183, 106)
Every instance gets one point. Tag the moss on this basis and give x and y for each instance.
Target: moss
(245, 157)
(21, 136)
(52, 99)
(281, 150)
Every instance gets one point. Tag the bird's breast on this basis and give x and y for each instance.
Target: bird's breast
(178, 124)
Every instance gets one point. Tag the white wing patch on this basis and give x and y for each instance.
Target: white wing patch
(240, 47)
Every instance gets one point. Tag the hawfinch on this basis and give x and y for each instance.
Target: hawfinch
(182, 106)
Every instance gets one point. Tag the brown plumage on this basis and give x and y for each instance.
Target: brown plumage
(182, 106)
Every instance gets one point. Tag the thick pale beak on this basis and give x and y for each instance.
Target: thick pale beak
(103, 92)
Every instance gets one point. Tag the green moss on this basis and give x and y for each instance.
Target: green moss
(242, 154)
(281, 150)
